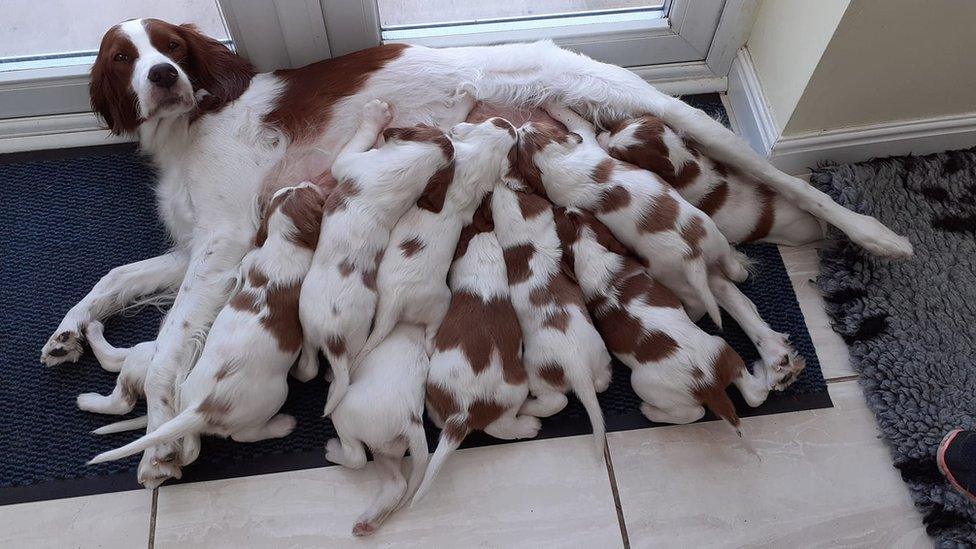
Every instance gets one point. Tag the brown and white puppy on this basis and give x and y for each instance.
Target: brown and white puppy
(563, 350)
(412, 278)
(241, 379)
(131, 364)
(376, 187)
(476, 379)
(677, 242)
(743, 208)
(677, 369)
(382, 409)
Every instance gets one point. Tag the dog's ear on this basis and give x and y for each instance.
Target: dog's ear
(432, 199)
(213, 67)
(110, 91)
(511, 177)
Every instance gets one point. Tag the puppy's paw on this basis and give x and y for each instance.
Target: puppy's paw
(782, 363)
(90, 402)
(377, 113)
(333, 451)
(152, 472)
(63, 346)
(528, 427)
(364, 528)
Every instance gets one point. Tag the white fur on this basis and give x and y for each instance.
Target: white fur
(382, 409)
(131, 365)
(579, 351)
(212, 173)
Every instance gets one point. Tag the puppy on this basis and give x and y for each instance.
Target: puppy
(240, 380)
(131, 364)
(476, 379)
(412, 278)
(562, 348)
(677, 242)
(677, 369)
(744, 209)
(376, 187)
(382, 409)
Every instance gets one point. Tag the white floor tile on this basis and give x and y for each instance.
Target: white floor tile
(803, 265)
(549, 493)
(825, 480)
(106, 520)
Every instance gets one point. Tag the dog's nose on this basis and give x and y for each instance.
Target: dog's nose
(163, 75)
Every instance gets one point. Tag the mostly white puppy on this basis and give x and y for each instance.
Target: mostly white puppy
(476, 379)
(677, 369)
(677, 242)
(131, 364)
(382, 409)
(743, 208)
(241, 378)
(563, 350)
(412, 278)
(338, 298)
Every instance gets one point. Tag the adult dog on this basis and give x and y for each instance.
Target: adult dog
(225, 139)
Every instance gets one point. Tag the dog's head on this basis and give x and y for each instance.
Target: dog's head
(295, 213)
(147, 68)
(537, 143)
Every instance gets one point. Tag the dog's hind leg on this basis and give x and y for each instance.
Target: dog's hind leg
(387, 499)
(109, 358)
(121, 401)
(279, 426)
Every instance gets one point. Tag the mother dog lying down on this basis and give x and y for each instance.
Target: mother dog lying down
(225, 138)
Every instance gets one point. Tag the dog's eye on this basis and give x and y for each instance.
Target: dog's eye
(121, 57)
(173, 46)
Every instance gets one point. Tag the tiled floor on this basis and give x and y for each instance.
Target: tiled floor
(824, 480)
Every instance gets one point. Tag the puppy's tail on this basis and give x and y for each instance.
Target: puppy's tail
(188, 421)
(122, 426)
(717, 400)
(417, 442)
(582, 383)
(455, 429)
(340, 382)
(697, 276)
(385, 321)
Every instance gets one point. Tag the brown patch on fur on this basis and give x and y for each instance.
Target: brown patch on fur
(369, 275)
(532, 139)
(727, 367)
(557, 319)
(553, 374)
(415, 419)
(686, 175)
(481, 222)
(246, 300)
(767, 216)
(346, 268)
(638, 284)
(482, 413)
(652, 153)
(441, 401)
(435, 192)
(336, 345)
(130, 389)
(339, 197)
(255, 277)
(724, 170)
(304, 206)
(692, 233)
(282, 317)
(661, 216)
(517, 262)
(226, 369)
(214, 411)
(624, 334)
(532, 205)
(613, 199)
(480, 328)
(304, 107)
(715, 199)
(602, 172)
(503, 124)
(410, 247)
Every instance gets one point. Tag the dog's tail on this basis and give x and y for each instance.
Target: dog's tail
(110, 358)
(340, 382)
(581, 380)
(696, 274)
(188, 421)
(455, 429)
(417, 442)
(122, 426)
(385, 320)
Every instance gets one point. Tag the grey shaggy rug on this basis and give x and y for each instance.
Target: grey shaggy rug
(911, 325)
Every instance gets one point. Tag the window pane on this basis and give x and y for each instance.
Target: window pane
(39, 33)
(426, 13)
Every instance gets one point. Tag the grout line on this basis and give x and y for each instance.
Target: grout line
(840, 379)
(616, 496)
(152, 518)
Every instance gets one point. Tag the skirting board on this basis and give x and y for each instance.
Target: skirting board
(85, 129)
(797, 154)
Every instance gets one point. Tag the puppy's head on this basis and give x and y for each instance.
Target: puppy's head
(537, 143)
(634, 140)
(434, 193)
(294, 214)
(147, 68)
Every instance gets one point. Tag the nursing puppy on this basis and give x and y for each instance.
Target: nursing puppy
(563, 350)
(476, 379)
(677, 369)
(131, 364)
(338, 297)
(240, 381)
(744, 209)
(678, 242)
(412, 278)
(382, 409)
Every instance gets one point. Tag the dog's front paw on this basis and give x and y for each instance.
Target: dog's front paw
(333, 451)
(63, 346)
(875, 237)
(153, 472)
(782, 363)
(364, 528)
(377, 113)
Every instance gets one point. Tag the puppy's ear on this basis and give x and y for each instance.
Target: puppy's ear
(213, 67)
(432, 199)
(511, 177)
